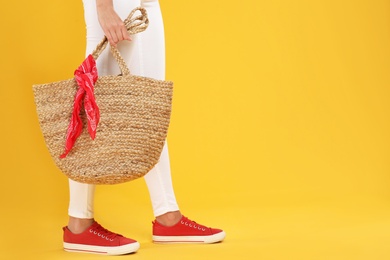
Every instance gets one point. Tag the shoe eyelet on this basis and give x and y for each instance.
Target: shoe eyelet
(103, 236)
(90, 231)
(99, 234)
(199, 228)
(95, 232)
(181, 222)
(186, 224)
(203, 229)
(190, 225)
(195, 226)
(107, 238)
(111, 239)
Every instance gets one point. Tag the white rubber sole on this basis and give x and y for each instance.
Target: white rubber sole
(190, 239)
(104, 250)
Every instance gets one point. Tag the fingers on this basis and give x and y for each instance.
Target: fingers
(112, 25)
(117, 33)
(125, 34)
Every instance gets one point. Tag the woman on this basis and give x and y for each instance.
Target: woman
(145, 56)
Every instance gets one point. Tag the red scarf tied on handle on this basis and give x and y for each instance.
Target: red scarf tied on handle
(86, 76)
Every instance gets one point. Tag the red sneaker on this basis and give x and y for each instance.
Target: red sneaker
(186, 231)
(98, 240)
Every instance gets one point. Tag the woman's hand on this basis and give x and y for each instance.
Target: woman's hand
(112, 25)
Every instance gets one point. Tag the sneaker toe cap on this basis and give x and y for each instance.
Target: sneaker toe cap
(216, 231)
(126, 241)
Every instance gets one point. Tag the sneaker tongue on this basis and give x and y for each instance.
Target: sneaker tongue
(98, 228)
(191, 221)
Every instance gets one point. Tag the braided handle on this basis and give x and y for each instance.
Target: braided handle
(133, 25)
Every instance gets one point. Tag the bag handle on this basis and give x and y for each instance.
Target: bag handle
(133, 25)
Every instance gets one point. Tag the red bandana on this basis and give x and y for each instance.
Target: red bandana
(86, 76)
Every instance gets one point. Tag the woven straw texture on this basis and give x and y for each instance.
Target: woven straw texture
(134, 118)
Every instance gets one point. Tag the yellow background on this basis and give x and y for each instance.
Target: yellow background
(280, 131)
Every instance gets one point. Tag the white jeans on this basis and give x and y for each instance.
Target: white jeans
(145, 56)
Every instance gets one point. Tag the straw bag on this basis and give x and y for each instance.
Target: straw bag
(134, 114)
